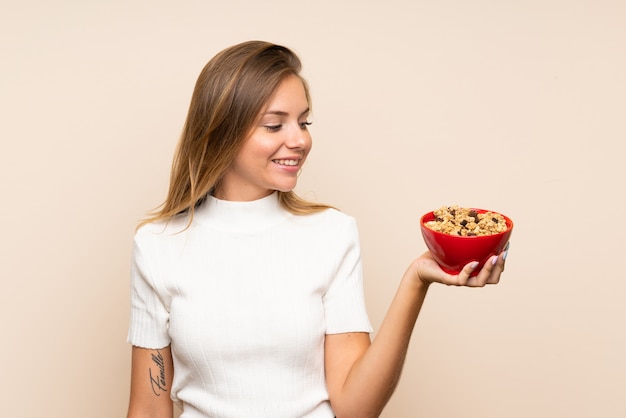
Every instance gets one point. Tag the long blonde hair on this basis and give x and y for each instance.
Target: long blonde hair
(228, 96)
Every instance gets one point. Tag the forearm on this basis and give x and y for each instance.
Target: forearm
(373, 378)
(151, 382)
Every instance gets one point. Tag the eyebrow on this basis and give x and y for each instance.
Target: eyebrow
(282, 113)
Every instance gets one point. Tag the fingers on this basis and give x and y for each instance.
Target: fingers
(464, 278)
(493, 269)
(489, 273)
(505, 252)
(485, 275)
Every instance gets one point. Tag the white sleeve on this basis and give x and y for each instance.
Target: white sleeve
(149, 317)
(344, 302)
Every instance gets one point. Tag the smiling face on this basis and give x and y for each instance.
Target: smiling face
(275, 148)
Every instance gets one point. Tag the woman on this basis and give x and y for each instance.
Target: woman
(247, 301)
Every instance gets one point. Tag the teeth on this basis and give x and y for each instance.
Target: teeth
(286, 162)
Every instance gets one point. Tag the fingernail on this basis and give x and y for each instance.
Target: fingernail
(474, 265)
(494, 260)
(504, 255)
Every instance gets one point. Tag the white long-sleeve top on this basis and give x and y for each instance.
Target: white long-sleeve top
(245, 296)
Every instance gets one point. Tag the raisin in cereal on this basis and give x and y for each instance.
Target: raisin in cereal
(455, 220)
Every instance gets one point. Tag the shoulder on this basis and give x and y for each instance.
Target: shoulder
(330, 221)
(328, 216)
(163, 230)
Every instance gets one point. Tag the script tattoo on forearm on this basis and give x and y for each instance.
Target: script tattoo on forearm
(158, 382)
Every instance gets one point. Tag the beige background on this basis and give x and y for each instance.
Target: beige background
(516, 106)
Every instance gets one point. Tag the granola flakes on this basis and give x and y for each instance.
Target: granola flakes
(455, 220)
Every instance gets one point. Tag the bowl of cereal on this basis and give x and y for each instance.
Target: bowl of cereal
(457, 236)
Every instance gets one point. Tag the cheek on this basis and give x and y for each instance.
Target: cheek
(266, 148)
(261, 151)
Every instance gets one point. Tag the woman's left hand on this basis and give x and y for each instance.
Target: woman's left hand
(428, 271)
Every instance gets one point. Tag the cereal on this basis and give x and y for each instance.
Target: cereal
(455, 220)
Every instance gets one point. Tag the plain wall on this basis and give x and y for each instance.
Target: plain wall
(514, 106)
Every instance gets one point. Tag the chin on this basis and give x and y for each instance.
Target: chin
(285, 188)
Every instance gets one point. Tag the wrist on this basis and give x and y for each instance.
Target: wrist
(416, 273)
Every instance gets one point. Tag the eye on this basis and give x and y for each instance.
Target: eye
(273, 128)
(303, 125)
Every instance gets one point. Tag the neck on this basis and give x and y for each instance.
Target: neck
(221, 193)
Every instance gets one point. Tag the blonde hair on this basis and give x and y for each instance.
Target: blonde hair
(227, 99)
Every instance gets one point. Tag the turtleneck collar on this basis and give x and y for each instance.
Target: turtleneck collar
(251, 216)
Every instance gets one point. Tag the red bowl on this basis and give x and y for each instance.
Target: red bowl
(453, 252)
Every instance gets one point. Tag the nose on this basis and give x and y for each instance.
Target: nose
(298, 138)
